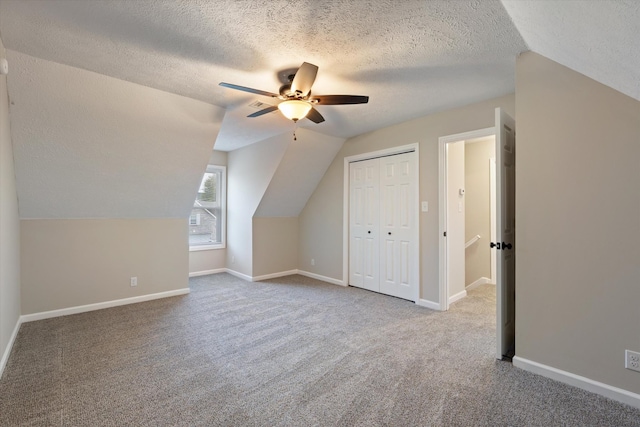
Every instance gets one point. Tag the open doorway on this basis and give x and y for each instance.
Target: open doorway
(470, 207)
(453, 236)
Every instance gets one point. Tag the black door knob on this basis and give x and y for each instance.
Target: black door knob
(369, 231)
(506, 245)
(389, 233)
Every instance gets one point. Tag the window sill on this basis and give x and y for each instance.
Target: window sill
(206, 247)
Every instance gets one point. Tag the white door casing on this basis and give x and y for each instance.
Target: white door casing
(505, 233)
(443, 199)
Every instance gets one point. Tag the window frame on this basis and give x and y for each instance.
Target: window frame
(222, 197)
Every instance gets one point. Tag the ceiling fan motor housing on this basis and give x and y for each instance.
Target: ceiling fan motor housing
(286, 92)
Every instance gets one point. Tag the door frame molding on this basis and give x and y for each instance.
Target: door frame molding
(443, 298)
(345, 203)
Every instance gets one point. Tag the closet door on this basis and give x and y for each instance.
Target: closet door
(398, 230)
(363, 224)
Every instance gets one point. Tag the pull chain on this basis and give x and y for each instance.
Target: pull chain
(295, 127)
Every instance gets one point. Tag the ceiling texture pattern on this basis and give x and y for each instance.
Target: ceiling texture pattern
(412, 57)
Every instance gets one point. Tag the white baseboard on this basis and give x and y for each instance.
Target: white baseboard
(458, 296)
(7, 350)
(584, 383)
(322, 278)
(273, 275)
(100, 305)
(481, 281)
(429, 304)
(207, 272)
(239, 275)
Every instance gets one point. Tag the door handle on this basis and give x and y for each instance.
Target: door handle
(389, 233)
(506, 245)
(494, 245)
(369, 231)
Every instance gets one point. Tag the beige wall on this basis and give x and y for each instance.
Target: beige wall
(478, 209)
(275, 245)
(210, 259)
(67, 263)
(578, 223)
(207, 260)
(250, 170)
(321, 219)
(9, 227)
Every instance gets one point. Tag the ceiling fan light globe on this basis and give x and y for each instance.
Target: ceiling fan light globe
(294, 109)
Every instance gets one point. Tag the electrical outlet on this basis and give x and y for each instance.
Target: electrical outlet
(632, 360)
(134, 281)
(313, 261)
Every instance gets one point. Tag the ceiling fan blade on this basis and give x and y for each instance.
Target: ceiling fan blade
(304, 78)
(315, 116)
(248, 89)
(264, 111)
(339, 99)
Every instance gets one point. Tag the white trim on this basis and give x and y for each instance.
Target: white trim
(207, 247)
(415, 147)
(458, 296)
(492, 204)
(207, 272)
(9, 347)
(239, 275)
(442, 202)
(429, 304)
(269, 276)
(584, 383)
(100, 305)
(481, 281)
(322, 278)
(273, 275)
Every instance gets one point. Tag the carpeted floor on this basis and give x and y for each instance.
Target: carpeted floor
(285, 352)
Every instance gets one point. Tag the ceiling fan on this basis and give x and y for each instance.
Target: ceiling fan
(297, 101)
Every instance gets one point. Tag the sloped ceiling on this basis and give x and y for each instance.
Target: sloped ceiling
(299, 172)
(600, 39)
(412, 57)
(91, 146)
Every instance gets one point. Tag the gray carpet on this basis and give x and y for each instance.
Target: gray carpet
(285, 352)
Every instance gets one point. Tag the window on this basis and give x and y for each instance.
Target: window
(207, 219)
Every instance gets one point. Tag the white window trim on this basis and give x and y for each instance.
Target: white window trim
(223, 203)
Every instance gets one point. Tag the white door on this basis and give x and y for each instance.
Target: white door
(505, 233)
(398, 212)
(363, 224)
(383, 236)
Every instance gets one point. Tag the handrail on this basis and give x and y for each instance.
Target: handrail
(472, 241)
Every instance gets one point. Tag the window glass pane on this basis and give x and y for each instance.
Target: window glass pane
(208, 191)
(206, 221)
(203, 227)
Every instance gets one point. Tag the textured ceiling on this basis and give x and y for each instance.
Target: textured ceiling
(600, 39)
(412, 57)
